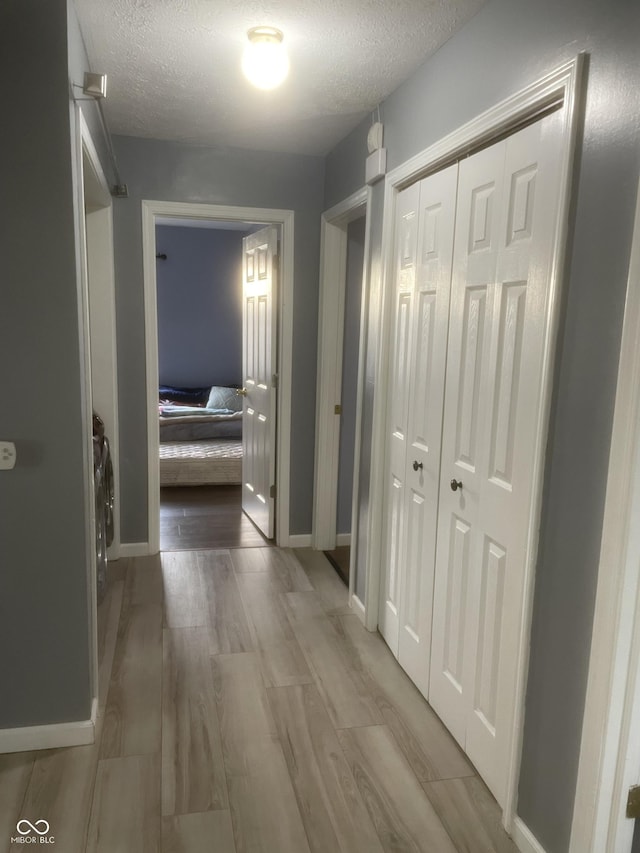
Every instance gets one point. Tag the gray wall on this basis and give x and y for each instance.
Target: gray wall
(199, 306)
(508, 45)
(169, 171)
(353, 293)
(44, 659)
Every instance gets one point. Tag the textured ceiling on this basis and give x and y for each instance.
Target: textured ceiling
(173, 66)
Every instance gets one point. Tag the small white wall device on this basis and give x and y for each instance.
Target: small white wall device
(376, 162)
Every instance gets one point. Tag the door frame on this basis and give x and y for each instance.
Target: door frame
(333, 279)
(560, 88)
(284, 306)
(610, 746)
(103, 258)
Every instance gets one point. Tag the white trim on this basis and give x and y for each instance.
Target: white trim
(135, 549)
(524, 839)
(561, 87)
(53, 736)
(333, 271)
(609, 750)
(104, 366)
(362, 371)
(299, 540)
(357, 606)
(82, 141)
(342, 540)
(252, 215)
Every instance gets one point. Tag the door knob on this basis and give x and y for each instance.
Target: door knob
(455, 485)
(241, 392)
(417, 465)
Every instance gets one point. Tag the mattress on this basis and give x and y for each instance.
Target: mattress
(198, 463)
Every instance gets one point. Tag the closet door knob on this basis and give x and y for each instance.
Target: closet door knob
(417, 465)
(455, 485)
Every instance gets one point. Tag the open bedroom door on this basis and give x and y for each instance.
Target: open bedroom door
(259, 371)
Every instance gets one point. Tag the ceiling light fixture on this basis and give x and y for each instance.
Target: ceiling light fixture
(265, 62)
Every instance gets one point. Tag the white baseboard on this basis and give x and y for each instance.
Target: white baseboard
(357, 607)
(343, 539)
(134, 549)
(299, 540)
(524, 839)
(54, 736)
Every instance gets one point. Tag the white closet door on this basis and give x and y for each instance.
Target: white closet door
(405, 254)
(475, 261)
(507, 206)
(430, 308)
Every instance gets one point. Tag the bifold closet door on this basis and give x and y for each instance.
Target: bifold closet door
(504, 241)
(424, 248)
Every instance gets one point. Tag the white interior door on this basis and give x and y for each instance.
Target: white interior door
(430, 320)
(405, 253)
(507, 203)
(424, 247)
(259, 335)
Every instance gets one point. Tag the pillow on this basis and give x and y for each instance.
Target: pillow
(225, 399)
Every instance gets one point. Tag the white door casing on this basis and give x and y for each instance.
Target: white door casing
(259, 335)
(153, 211)
(507, 203)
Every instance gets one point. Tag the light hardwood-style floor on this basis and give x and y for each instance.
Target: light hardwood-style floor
(244, 709)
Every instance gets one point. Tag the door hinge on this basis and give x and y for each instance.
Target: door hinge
(337, 409)
(633, 802)
(273, 491)
(274, 380)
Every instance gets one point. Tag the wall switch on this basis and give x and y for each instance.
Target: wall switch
(7, 455)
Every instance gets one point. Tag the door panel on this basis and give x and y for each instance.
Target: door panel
(424, 246)
(436, 218)
(513, 392)
(474, 268)
(398, 412)
(259, 368)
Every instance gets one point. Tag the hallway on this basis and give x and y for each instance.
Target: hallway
(245, 708)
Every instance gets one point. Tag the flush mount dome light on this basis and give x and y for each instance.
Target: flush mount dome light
(265, 62)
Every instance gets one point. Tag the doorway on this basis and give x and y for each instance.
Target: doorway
(200, 363)
(340, 556)
(153, 212)
(342, 312)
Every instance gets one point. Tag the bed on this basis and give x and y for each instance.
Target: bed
(200, 436)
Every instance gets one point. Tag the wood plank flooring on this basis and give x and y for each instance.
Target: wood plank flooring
(248, 711)
(205, 517)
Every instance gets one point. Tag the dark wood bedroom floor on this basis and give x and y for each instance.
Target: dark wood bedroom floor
(198, 517)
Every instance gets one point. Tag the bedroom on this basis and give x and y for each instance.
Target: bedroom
(199, 307)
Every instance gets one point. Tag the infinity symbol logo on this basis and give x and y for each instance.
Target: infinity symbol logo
(31, 827)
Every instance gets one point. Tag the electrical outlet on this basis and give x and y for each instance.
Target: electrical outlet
(7, 455)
